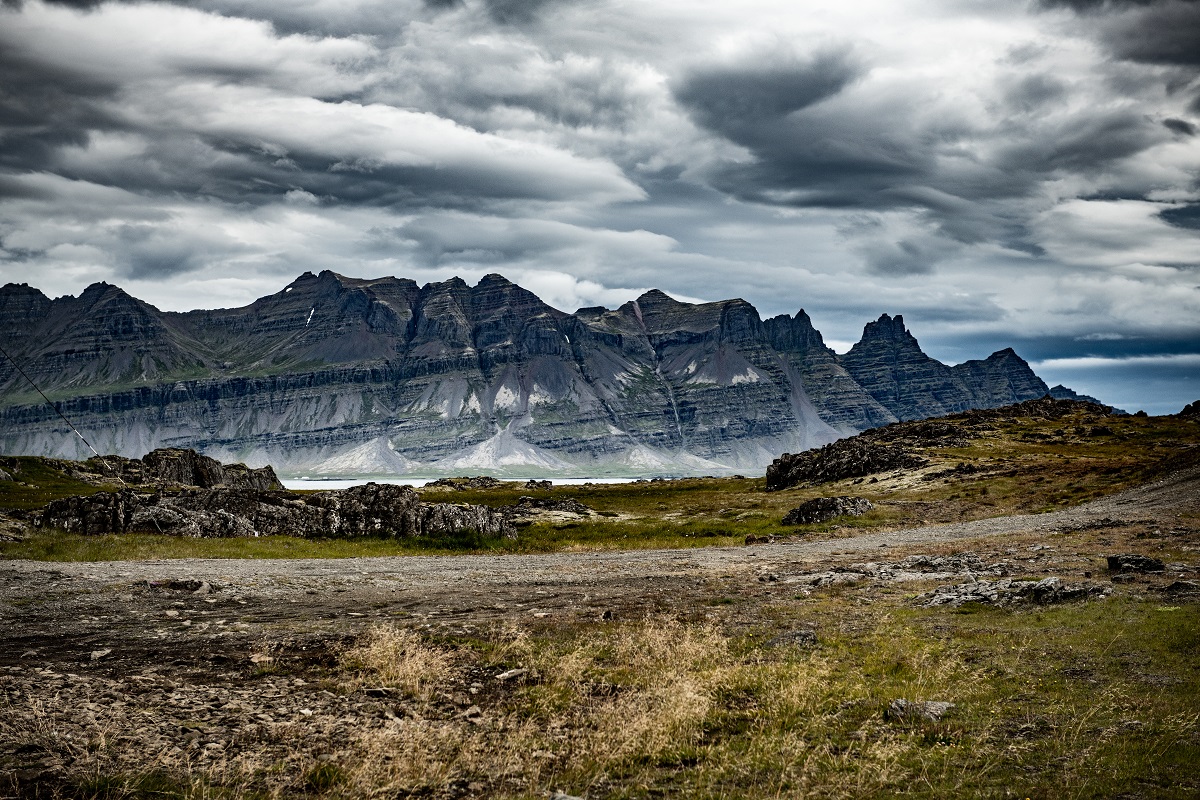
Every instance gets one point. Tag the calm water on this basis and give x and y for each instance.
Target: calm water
(313, 483)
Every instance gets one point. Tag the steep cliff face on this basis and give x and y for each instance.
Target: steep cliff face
(349, 376)
(889, 364)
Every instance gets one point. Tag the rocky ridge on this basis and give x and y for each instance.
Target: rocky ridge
(183, 493)
(900, 446)
(368, 510)
(336, 375)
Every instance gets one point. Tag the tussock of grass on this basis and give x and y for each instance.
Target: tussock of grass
(1090, 700)
(680, 706)
(398, 659)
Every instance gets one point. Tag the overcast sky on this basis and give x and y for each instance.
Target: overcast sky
(1023, 174)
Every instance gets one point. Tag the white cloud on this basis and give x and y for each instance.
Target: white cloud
(987, 170)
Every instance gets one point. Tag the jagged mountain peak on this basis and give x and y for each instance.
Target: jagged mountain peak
(431, 373)
(887, 327)
(657, 297)
(493, 279)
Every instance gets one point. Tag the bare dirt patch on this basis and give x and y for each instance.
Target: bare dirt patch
(234, 673)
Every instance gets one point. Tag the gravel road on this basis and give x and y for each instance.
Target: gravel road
(437, 576)
(185, 661)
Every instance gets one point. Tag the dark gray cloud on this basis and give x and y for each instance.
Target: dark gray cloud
(1186, 216)
(1180, 126)
(47, 106)
(1041, 174)
(79, 5)
(1151, 31)
(803, 156)
(738, 100)
(518, 12)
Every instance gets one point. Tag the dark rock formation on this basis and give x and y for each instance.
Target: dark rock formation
(1191, 411)
(345, 376)
(1132, 562)
(530, 505)
(848, 458)
(823, 509)
(181, 467)
(368, 510)
(897, 446)
(464, 483)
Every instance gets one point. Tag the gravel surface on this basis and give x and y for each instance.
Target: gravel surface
(1164, 499)
(107, 667)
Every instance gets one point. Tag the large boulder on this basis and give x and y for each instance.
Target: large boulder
(846, 458)
(823, 509)
(1133, 562)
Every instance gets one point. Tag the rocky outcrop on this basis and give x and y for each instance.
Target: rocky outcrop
(336, 375)
(368, 510)
(849, 458)
(1008, 591)
(530, 506)
(180, 467)
(823, 509)
(1133, 562)
(899, 446)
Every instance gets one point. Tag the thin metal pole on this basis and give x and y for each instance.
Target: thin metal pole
(17, 366)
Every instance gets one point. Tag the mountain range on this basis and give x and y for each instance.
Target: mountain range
(344, 376)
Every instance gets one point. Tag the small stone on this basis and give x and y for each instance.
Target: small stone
(96, 655)
(931, 710)
(261, 658)
(512, 673)
(798, 638)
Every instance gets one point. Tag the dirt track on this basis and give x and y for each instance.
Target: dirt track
(66, 611)
(131, 653)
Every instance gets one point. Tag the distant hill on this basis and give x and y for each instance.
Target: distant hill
(336, 375)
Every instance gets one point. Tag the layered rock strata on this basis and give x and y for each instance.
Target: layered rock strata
(334, 375)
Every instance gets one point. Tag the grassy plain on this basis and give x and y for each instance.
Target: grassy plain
(679, 694)
(1013, 465)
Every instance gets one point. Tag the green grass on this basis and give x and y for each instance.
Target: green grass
(37, 481)
(1090, 700)
(1022, 466)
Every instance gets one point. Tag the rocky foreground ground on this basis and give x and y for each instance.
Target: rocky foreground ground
(184, 665)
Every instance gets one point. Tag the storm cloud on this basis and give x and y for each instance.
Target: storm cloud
(986, 171)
